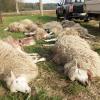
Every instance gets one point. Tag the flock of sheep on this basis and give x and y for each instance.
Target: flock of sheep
(71, 49)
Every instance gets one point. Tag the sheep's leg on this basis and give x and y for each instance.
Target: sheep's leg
(50, 40)
(33, 54)
(48, 45)
(6, 29)
(36, 57)
(51, 33)
(36, 60)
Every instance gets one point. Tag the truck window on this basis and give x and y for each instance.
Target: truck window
(73, 1)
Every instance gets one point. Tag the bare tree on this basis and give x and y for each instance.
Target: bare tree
(17, 6)
(1, 21)
(41, 7)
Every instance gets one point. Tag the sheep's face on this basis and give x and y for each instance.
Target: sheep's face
(75, 73)
(18, 84)
(82, 76)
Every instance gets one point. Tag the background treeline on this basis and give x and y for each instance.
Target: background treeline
(49, 6)
(10, 6)
(7, 5)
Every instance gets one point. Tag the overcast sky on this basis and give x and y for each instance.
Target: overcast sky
(44, 1)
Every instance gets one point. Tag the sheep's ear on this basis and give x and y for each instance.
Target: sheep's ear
(12, 76)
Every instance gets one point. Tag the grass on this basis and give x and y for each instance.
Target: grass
(51, 84)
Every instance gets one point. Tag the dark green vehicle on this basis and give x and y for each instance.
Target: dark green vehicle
(69, 9)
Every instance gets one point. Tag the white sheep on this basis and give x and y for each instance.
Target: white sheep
(80, 62)
(16, 27)
(40, 33)
(29, 25)
(53, 26)
(25, 25)
(67, 23)
(83, 31)
(17, 68)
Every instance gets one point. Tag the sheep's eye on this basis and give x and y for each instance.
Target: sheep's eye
(16, 81)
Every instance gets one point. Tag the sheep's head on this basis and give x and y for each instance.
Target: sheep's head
(18, 84)
(82, 76)
(76, 73)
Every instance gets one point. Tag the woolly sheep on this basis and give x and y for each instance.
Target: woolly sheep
(40, 33)
(25, 25)
(83, 31)
(29, 25)
(53, 26)
(67, 23)
(68, 31)
(16, 27)
(17, 68)
(81, 63)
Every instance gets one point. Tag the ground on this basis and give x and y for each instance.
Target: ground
(51, 83)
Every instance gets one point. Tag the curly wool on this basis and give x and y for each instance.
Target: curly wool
(11, 59)
(40, 34)
(82, 31)
(69, 48)
(68, 31)
(17, 27)
(29, 25)
(53, 26)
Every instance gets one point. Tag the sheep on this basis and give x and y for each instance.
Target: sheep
(67, 23)
(29, 25)
(54, 27)
(40, 33)
(16, 27)
(24, 26)
(80, 62)
(83, 31)
(17, 68)
(68, 31)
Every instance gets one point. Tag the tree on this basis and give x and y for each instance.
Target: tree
(17, 6)
(7, 5)
(1, 21)
(41, 7)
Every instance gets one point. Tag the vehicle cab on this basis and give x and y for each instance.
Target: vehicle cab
(70, 9)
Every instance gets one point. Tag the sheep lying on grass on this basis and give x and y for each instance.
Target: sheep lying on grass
(83, 31)
(16, 27)
(17, 68)
(80, 62)
(67, 23)
(40, 33)
(54, 27)
(25, 25)
(29, 25)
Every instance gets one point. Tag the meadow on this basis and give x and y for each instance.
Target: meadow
(51, 83)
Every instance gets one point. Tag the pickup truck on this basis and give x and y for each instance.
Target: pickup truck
(69, 9)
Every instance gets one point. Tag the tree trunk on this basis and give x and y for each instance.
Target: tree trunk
(41, 7)
(17, 7)
(1, 21)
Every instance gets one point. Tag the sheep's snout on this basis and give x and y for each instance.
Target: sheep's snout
(20, 84)
(82, 76)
